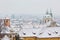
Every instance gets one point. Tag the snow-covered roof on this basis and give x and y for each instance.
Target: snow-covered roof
(5, 38)
(50, 32)
(27, 26)
(5, 30)
(28, 32)
(40, 32)
(46, 24)
(58, 24)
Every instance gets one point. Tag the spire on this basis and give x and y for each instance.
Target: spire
(47, 12)
(51, 13)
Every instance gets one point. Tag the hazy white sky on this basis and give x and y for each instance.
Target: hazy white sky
(31, 7)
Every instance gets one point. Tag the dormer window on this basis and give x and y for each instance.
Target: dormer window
(24, 33)
(56, 32)
(40, 33)
(34, 33)
(49, 34)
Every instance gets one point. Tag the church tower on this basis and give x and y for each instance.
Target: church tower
(7, 22)
(48, 17)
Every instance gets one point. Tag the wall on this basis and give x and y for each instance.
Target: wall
(35, 38)
(57, 38)
(30, 38)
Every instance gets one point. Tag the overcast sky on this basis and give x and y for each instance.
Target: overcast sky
(29, 7)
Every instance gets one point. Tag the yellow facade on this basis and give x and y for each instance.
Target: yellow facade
(30, 38)
(35, 38)
(56, 38)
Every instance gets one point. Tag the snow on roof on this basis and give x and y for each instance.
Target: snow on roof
(28, 32)
(5, 38)
(40, 32)
(58, 24)
(5, 30)
(50, 32)
(27, 26)
(46, 24)
(15, 28)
